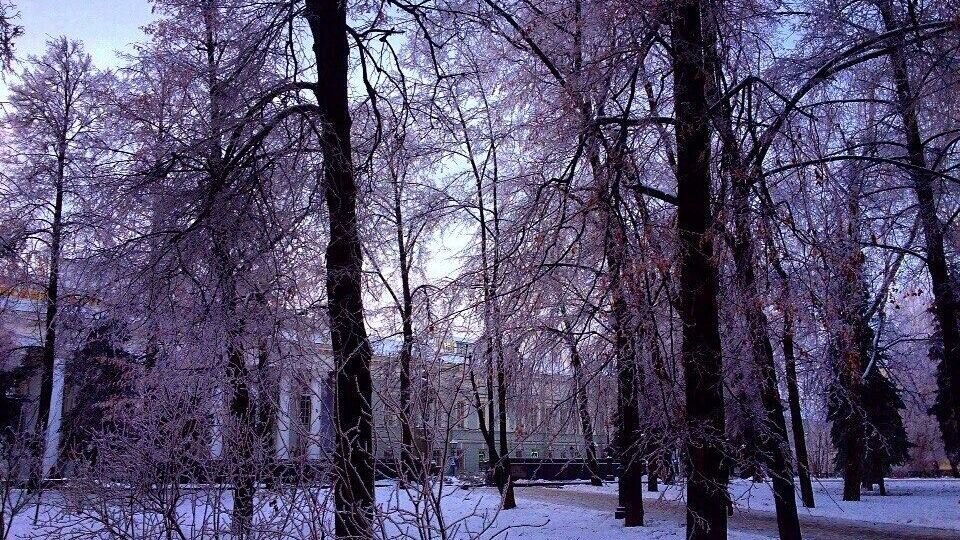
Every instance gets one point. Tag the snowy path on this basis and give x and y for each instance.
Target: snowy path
(751, 521)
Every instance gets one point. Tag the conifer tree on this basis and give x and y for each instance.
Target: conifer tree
(864, 409)
(886, 438)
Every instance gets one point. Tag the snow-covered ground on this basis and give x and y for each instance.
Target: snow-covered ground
(927, 502)
(539, 520)
(474, 513)
(467, 514)
(916, 501)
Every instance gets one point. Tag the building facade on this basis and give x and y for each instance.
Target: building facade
(541, 422)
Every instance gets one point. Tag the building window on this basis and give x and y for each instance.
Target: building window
(301, 420)
(305, 411)
(462, 348)
(481, 456)
(462, 414)
(534, 453)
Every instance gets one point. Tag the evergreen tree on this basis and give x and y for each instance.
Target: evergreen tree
(886, 439)
(944, 406)
(848, 352)
(864, 408)
(97, 378)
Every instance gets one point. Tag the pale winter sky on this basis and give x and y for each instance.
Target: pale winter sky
(107, 27)
(104, 26)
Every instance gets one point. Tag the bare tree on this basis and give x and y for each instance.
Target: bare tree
(702, 363)
(348, 337)
(57, 110)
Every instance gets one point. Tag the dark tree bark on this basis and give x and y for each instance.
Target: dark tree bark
(707, 496)
(851, 431)
(353, 487)
(774, 432)
(494, 340)
(947, 408)
(790, 368)
(265, 411)
(630, 439)
(850, 344)
(509, 498)
(242, 413)
(658, 445)
(49, 353)
(482, 422)
(796, 415)
(583, 406)
(241, 473)
(407, 463)
(773, 428)
(500, 477)
(629, 442)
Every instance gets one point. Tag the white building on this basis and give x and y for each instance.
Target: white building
(446, 423)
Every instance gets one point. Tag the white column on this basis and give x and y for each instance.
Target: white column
(316, 402)
(284, 417)
(216, 429)
(52, 448)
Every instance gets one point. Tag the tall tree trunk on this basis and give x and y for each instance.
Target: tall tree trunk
(242, 414)
(659, 447)
(772, 430)
(853, 435)
(242, 428)
(707, 496)
(407, 464)
(947, 408)
(500, 474)
(796, 415)
(774, 433)
(485, 431)
(353, 487)
(583, 406)
(509, 498)
(848, 413)
(491, 319)
(265, 410)
(630, 444)
(607, 175)
(48, 359)
(615, 252)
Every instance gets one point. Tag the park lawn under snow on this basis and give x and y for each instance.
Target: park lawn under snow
(537, 520)
(474, 513)
(467, 513)
(927, 502)
(916, 501)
